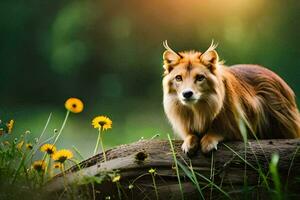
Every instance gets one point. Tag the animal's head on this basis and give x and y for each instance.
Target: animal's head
(191, 76)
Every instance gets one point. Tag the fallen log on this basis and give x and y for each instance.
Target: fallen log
(233, 171)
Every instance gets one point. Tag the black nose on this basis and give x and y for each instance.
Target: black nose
(187, 94)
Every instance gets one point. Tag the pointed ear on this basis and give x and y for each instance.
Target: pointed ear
(210, 57)
(170, 58)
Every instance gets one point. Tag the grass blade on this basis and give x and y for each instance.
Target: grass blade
(275, 175)
(176, 166)
(213, 184)
(191, 175)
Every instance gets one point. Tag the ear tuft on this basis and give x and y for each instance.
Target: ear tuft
(210, 57)
(170, 57)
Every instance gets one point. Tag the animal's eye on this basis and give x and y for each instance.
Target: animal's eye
(178, 78)
(200, 77)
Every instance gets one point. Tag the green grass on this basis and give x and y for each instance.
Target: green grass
(275, 176)
(176, 166)
(22, 163)
(12, 160)
(79, 131)
(17, 173)
(189, 171)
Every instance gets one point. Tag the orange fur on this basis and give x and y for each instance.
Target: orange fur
(223, 99)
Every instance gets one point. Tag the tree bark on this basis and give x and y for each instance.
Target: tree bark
(232, 167)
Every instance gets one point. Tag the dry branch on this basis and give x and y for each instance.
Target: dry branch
(229, 169)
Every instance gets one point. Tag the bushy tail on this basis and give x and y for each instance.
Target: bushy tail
(280, 104)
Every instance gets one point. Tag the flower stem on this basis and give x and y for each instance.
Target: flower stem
(39, 139)
(119, 191)
(45, 127)
(19, 167)
(98, 140)
(62, 168)
(62, 127)
(154, 185)
(103, 151)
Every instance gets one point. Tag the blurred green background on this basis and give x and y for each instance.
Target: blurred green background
(108, 53)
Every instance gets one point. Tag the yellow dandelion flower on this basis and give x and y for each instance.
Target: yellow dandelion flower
(74, 105)
(102, 122)
(62, 155)
(20, 145)
(48, 148)
(116, 178)
(152, 171)
(39, 165)
(10, 125)
(57, 165)
(29, 146)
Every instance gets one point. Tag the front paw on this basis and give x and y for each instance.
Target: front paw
(209, 143)
(190, 145)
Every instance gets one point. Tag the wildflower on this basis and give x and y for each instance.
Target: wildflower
(116, 178)
(152, 171)
(57, 165)
(48, 148)
(74, 105)
(10, 125)
(6, 142)
(102, 122)
(62, 155)
(20, 145)
(29, 146)
(39, 165)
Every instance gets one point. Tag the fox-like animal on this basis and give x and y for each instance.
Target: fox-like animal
(207, 102)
